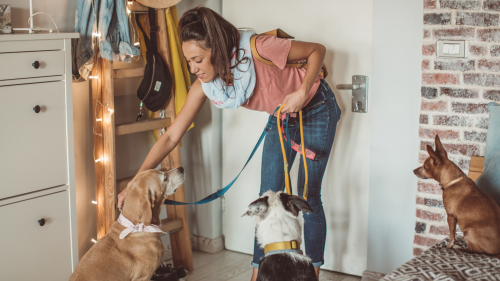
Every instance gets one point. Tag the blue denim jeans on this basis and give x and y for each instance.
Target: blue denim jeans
(320, 117)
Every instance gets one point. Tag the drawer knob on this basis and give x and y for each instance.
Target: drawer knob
(41, 222)
(36, 64)
(36, 109)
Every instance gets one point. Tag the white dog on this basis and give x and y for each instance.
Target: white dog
(280, 234)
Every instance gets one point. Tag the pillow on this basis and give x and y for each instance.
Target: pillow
(493, 138)
(489, 181)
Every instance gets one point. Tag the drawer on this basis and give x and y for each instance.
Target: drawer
(33, 150)
(20, 65)
(33, 252)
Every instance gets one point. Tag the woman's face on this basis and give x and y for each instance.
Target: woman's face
(199, 61)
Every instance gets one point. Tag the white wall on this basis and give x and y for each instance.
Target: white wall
(200, 154)
(395, 107)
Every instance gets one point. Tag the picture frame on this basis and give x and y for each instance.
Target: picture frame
(5, 19)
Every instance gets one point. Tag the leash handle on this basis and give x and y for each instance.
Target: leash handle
(285, 162)
(306, 187)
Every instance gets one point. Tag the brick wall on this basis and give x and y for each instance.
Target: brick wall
(455, 94)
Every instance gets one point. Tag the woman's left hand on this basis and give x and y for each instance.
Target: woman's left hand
(294, 101)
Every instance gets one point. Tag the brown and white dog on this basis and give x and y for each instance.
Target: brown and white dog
(476, 213)
(276, 217)
(138, 255)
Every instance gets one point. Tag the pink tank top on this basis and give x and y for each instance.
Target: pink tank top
(275, 82)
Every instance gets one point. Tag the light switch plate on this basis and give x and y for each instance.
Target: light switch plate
(449, 49)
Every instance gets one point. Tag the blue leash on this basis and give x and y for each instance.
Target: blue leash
(221, 192)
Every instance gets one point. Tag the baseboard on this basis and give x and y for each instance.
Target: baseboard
(208, 245)
(200, 243)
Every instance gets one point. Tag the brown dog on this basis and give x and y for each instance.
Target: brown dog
(138, 255)
(476, 213)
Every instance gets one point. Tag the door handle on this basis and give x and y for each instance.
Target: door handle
(359, 89)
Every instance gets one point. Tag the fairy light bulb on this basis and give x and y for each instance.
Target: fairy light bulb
(94, 202)
(93, 240)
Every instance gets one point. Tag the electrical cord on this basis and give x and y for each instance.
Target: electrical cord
(31, 19)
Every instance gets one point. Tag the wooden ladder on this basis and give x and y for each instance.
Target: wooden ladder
(105, 130)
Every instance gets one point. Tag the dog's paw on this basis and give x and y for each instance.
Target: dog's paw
(451, 244)
(455, 247)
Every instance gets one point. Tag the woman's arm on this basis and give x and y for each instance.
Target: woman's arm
(315, 54)
(167, 142)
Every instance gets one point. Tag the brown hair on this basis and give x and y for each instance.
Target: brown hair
(211, 31)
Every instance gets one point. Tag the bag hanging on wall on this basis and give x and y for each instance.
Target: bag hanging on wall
(156, 86)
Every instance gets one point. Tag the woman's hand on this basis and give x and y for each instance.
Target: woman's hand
(294, 101)
(121, 199)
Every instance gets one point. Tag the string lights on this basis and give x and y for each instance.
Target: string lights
(94, 202)
(93, 240)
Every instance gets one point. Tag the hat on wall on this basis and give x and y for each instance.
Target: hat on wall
(158, 4)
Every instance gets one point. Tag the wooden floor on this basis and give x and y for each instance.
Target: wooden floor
(233, 266)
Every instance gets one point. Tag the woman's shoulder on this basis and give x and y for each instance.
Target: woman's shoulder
(274, 49)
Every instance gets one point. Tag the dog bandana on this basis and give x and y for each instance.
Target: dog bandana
(140, 227)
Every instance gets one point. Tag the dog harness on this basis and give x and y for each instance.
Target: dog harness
(282, 247)
(140, 227)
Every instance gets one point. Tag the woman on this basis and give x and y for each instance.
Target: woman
(209, 43)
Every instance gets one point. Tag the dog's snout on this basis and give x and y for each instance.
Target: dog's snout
(181, 169)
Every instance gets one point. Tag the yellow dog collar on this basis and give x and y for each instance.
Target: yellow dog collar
(285, 245)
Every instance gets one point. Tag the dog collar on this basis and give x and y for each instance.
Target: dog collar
(279, 246)
(453, 182)
(140, 227)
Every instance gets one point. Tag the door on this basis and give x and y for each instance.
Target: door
(345, 29)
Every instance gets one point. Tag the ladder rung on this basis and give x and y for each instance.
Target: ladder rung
(142, 126)
(171, 225)
(129, 72)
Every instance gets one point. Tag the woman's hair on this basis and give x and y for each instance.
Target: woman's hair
(211, 31)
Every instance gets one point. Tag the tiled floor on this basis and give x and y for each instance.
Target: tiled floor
(233, 266)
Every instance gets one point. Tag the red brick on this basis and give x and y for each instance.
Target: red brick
(437, 18)
(443, 134)
(454, 64)
(422, 157)
(429, 50)
(477, 50)
(488, 65)
(469, 108)
(460, 93)
(420, 227)
(492, 95)
(455, 121)
(441, 79)
(460, 4)
(492, 5)
(495, 50)
(420, 201)
(429, 4)
(426, 65)
(441, 106)
(432, 188)
(461, 163)
(477, 19)
(481, 79)
(430, 216)
(441, 229)
(459, 149)
(424, 119)
(427, 33)
(475, 136)
(456, 33)
(489, 35)
(425, 241)
(482, 123)
(417, 251)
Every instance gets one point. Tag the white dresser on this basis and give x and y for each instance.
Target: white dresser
(38, 234)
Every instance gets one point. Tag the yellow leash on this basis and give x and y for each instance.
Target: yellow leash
(287, 177)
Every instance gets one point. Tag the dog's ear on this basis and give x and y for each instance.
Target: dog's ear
(439, 148)
(147, 204)
(294, 204)
(257, 208)
(434, 156)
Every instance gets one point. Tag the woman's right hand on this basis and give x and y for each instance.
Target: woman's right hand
(121, 199)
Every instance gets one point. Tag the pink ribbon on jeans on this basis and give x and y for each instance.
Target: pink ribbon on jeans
(140, 227)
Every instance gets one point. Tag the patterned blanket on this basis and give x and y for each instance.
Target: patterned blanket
(439, 263)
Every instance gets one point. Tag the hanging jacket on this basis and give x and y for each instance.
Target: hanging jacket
(113, 27)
